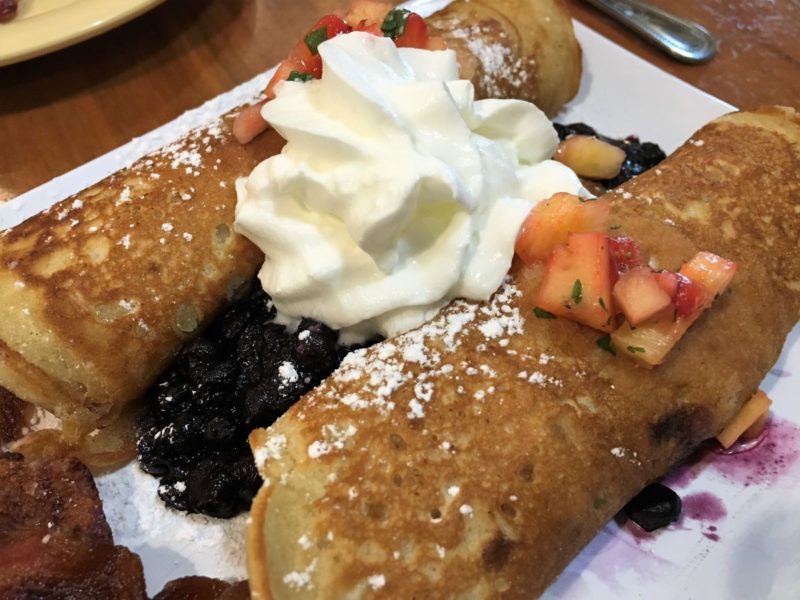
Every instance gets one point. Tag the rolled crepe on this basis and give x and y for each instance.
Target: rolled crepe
(99, 292)
(522, 49)
(476, 455)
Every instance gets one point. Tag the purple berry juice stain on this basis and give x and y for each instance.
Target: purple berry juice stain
(704, 507)
(759, 462)
(765, 463)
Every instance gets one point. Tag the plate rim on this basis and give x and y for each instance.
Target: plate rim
(23, 39)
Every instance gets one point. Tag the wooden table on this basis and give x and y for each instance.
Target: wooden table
(61, 110)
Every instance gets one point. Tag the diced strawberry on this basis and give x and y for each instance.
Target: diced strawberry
(577, 284)
(713, 272)
(625, 255)
(304, 58)
(334, 25)
(550, 221)
(307, 50)
(649, 343)
(639, 296)
(668, 282)
(305, 61)
(415, 34)
(691, 297)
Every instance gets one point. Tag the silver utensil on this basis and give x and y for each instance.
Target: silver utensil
(682, 39)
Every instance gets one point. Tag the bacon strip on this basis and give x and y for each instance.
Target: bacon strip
(54, 538)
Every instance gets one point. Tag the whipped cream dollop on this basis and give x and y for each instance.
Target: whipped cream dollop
(396, 190)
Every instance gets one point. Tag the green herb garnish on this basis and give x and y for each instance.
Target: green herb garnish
(577, 291)
(602, 304)
(635, 349)
(298, 76)
(614, 227)
(314, 38)
(604, 343)
(394, 24)
(542, 313)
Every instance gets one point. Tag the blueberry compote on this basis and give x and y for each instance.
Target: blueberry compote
(639, 156)
(244, 372)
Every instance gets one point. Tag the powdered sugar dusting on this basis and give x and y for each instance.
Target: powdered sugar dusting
(387, 367)
(334, 439)
(288, 373)
(376, 582)
(301, 579)
(500, 69)
(272, 449)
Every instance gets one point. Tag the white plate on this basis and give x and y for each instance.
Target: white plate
(43, 26)
(758, 552)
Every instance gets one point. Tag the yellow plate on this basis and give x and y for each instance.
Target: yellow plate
(43, 26)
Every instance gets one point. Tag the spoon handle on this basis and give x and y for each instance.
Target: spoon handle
(682, 39)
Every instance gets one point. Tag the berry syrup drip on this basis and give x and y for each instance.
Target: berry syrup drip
(244, 372)
(656, 506)
(639, 156)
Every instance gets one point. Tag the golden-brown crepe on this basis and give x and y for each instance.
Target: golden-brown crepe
(476, 455)
(522, 49)
(98, 292)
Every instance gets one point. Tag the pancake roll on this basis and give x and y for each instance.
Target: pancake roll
(475, 456)
(523, 49)
(98, 292)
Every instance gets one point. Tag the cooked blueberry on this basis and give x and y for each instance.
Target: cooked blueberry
(244, 372)
(213, 490)
(154, 466)
(314, 346)
(215, 401)
(564, 131)
(245, 472)
(187, 429)
(654, 507)
(229, 326)
(222, 373)
(174, 493)
(219, 430)
(259, 406)
(196, 355)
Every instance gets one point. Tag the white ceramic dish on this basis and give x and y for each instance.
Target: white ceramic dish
(757, 554)
(43, 26)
